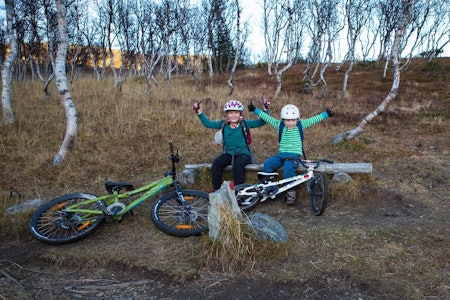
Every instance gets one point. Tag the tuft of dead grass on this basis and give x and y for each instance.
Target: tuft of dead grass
(238, 246)
(349, 193)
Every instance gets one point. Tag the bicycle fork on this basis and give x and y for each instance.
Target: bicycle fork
(186, 213)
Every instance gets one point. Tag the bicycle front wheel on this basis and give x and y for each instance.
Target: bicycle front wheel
(53, 224)
(318, 193)
(174, 218)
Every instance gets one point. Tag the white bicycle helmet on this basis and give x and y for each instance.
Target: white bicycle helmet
(233, 105)
(290, 112)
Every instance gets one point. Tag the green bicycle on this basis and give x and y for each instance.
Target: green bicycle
(68, 218)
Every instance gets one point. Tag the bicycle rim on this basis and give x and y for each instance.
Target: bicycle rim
(173, 218)
(318, 193)
(52, 224)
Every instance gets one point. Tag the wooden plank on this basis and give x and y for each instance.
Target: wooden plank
(349, 168)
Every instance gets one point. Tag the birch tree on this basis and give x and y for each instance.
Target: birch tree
(357, 13)
(290, 44)
(324, 28)
(76, 21)
(403, 20)
(274, 22)
(8, 114)
(238, 47)
(150, 42)
(388, 12)
(62, 85)
(438, 34)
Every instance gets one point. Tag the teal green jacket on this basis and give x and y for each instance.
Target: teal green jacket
(291, 141)
(234, 138)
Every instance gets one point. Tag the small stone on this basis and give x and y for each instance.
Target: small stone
(342, 177)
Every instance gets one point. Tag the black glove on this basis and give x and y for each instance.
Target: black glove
(329, 112)
(251, 107)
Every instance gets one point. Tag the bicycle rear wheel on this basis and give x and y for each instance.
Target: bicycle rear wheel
(173, 218)
(52, 224)
(318, 193)
(246, 202)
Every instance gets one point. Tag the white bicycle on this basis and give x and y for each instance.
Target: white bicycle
(249, 195)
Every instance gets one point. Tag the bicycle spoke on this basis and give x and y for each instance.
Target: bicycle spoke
(53, 223)
(174, 218)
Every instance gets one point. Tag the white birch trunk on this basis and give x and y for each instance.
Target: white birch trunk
(346, 76)
(290, 54)
(395, 54)
(210, 67)
(8, 114)
(238, 47)
(62, 86)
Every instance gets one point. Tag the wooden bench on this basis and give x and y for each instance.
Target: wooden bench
(190, 171)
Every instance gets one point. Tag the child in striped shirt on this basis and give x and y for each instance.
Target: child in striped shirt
(290, 151)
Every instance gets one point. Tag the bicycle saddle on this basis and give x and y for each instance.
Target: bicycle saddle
(112, 186)
(265, 177)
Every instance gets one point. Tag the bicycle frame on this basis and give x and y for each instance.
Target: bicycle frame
(283, 184)
(106, 201)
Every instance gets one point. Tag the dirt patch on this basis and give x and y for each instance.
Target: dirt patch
(32, 270)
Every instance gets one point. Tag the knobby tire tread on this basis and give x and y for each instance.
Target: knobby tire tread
(46, 224)
(318, 193)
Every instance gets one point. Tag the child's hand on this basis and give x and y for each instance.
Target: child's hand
(197, 107)
(266, 103)
(251, 107)
(329, 112)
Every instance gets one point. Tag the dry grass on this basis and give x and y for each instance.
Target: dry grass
(237, 246)
(235, 243)
(123, 136)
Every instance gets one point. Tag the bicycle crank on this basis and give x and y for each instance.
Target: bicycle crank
(115, 208)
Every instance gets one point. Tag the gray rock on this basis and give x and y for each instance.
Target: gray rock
(24, 206)
(342, 177)
(268, 228)
(186, 177)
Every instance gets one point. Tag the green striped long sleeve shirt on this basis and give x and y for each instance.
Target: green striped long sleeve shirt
(291, 141)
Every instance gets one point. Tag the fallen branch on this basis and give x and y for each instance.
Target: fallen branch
(12, 279)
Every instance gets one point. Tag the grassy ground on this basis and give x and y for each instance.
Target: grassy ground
(383, 236)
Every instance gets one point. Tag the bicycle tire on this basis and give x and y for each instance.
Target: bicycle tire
(52, 225)
(246, 202)
(318, 193)
(171, 217)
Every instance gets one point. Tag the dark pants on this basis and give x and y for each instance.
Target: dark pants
(238, 168)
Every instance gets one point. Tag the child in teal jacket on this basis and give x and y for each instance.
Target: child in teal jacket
(236, 150)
